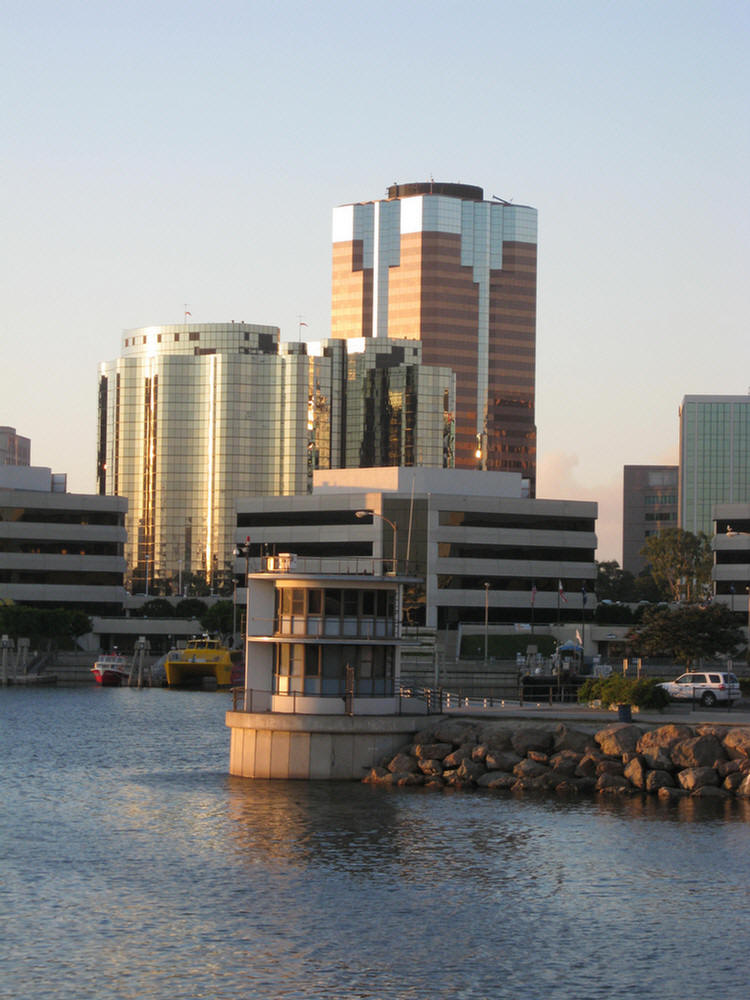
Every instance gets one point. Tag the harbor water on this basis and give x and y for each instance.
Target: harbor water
(133, 866)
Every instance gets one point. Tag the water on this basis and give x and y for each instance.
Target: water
(132, 865)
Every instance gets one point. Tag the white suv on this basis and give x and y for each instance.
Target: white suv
(707, 688)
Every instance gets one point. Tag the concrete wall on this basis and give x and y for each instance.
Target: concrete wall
(314, 747)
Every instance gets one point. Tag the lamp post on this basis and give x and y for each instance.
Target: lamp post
(394, 528)
(486, 610)
(243, 549)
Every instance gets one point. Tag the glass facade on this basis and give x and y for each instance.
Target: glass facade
(714, 457)
(191, 418)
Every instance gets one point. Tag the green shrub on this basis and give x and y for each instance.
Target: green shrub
(619, 690)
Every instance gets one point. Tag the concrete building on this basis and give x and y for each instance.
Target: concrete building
(649, 505)
(477, 544)
(731, 547)
(59, 549)
(714, 457)
(437, 263)
(193, 417)
(14, 449)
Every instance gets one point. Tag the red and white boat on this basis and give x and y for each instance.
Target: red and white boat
(111, 670)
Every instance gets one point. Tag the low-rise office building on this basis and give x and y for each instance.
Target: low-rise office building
(60, 549)
(482, 550)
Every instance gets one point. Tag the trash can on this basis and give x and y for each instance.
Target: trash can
(624, 714)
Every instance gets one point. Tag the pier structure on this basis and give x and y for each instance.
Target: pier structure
(322, 670)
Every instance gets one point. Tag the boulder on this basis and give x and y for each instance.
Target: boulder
(403, 763)
(696, 777)
(667, 794)
(587, 766)
(727, 767)
(698, 751)
(733, 780)
(656, 780)
(454, 759)
(408, 778)
(565, 762)
(743, 789)
(610, 767)
(470, 770)
(375, 775)
(737, 742)
(497, 760)
(538, 756)
(529, 769)
(432, 751)
(500, 780)
(431, 768)
(619, 738)
(656, 744)
(636, 772)
(479, 752)
(457, 732)
(710, 792)
(572, 739)
(495, 734)
(613, 784)
(532, 738)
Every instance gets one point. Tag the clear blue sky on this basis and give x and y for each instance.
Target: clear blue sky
(162, 153)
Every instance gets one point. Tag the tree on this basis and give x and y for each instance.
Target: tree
(218, 618)
(190, 607)
(688, 633)
(681, 562)
(613, 583)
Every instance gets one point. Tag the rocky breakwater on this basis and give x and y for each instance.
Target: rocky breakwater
(671, 761)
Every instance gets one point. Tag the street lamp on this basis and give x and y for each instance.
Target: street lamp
(243, 549)
(486, 610)
(394, 528)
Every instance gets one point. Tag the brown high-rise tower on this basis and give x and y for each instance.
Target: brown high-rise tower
(437, 263)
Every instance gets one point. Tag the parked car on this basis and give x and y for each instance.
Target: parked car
(707, 687)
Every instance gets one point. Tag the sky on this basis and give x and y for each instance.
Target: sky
(164, 155)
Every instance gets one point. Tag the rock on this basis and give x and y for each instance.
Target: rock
(696, 777)
(613, 784)
(531, 738)
(668, 794)
(457, 732)
(727, 767)
(587, 766)
(538, 756)
(454, 759)
(431, 768)
(656, 780)
(479, 752)
(743, 789)
(495, 734)
(500, 760)
(529, 769)
(375, 775)
(636, 772)
(737, 742)
(619, 738)
(733, 780)
(710, 792)
(698, 751)
(656, 744)
(610, 767)
(432, 751)
(572, 739)
(565, 762)
(403, 762)
(501, 780)
(470, 770)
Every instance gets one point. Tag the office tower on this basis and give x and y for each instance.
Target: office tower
(649, 505)
(14, 449)
(437, 263)
(714, 457)
(193, 417)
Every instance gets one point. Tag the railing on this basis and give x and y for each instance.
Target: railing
(330, 566)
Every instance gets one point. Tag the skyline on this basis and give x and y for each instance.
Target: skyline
(169, 156)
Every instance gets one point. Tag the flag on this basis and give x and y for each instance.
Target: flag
(533, 594)
(579, 640)
(561, 592)
(188, 313)
(584, 595)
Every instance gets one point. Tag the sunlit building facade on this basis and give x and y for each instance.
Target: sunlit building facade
(437, 263)
(193, 417)
(14, 449)
(714, 457)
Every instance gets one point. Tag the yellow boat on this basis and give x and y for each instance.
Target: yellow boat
(203, 659)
